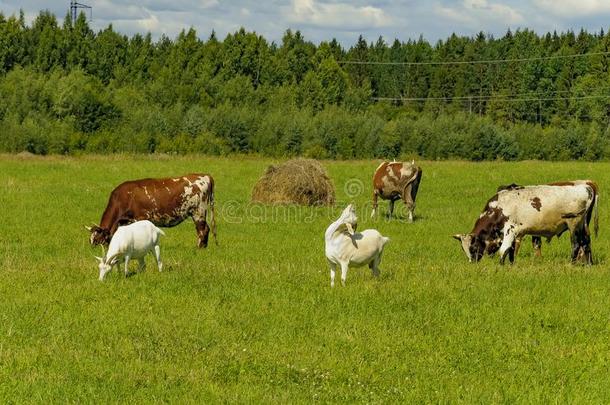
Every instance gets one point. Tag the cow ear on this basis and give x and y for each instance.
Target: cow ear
(458, 236)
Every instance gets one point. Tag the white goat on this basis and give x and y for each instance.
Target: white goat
(133, 241)
(345, 247)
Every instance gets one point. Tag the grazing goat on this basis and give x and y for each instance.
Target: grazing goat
(345, 247)
(133, 241)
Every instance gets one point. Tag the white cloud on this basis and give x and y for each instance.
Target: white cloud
(481, 13)
(454, 15)
(342, 16)
(571, 8)
(149, 24)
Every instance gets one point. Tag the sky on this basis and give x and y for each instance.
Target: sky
(323, 20)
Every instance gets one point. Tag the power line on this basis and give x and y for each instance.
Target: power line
(484, 96)
(74, 6)
(475, 62)
(487, 98)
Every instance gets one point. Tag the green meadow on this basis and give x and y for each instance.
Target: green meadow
(254, 319)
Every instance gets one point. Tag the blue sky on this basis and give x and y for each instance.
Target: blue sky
(341, 19)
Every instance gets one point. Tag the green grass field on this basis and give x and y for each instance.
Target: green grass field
(255, 320)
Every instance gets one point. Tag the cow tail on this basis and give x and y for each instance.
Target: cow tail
(596, 215)
(416, 182)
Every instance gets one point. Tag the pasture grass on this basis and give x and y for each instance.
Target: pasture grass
(255, 320)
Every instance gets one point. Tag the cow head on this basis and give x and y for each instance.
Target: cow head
(472, 245)
(99, 236)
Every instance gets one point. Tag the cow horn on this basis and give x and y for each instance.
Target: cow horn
(457, 236)
(99, 259)
(90, 228)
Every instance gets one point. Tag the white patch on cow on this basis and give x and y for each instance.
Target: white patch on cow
(406, 171)
(193, 202)
(387, 183)
(391, 172)
(493, 204)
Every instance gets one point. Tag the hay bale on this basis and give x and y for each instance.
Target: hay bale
(297, 181)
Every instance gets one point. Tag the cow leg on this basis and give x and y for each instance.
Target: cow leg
(158, 257)
(512, 252)
(203, 232)
(537, 245)
(575, 239)
(584, 250)
(333, 267)
(391, 208)
(517, 245)
(507, 245)
(375, 196)
(409, 202)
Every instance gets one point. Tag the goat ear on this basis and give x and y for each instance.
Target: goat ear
(458, 236)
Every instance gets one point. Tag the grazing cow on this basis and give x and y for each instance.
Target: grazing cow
(396, 180)
(345, 247)
(165, 202)
(544, 211)
(537, 240)
(133, 241)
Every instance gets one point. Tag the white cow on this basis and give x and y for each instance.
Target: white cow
(345, 247)
(544, 211)
(133, 241)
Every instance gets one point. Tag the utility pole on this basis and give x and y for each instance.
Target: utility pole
(74, 6)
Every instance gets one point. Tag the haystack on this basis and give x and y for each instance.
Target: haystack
(298, 181)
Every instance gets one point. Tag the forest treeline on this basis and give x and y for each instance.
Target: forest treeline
(66, 89)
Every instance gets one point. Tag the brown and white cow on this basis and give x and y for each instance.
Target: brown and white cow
(394, 181)
(544, 211)
(537, 240)
(165, 202)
